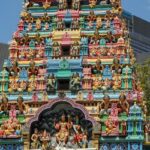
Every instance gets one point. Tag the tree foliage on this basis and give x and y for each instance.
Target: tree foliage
(143, 75)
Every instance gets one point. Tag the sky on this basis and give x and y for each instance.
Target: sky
(10, 12)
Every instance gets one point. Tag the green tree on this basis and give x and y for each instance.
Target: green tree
(143, 75)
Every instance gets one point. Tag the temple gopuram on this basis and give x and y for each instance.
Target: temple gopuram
(70, 82)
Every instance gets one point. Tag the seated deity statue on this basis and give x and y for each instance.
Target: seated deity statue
(110, 126)
(123, 104)
(62, 131)
(116, 82)
(32, 71)
(13, 112)
(92, 3)
(112, 123)
(91, 16)
(97, 83)
(21, 105)
(106, 84)
(14, 70)
(4, 104)
(105, 105)
(22, 86)
(10, 126)
(107, 72)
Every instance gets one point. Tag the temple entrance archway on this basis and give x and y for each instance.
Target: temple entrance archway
(61, 123)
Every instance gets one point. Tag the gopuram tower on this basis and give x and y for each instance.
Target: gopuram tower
(69, 81)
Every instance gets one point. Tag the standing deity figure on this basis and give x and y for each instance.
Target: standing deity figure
(75, 49)
(51, 83)
(75, 24)
(90, 96)
(62, 4)
(76, 4)
(56, 49)
(99, 22)
(75, 82)
(35, 139)
(80, 96)
(38, 24)
(63, 131)
(60, 24)
(29, 28)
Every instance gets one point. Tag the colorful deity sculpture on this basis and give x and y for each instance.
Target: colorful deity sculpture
(4, 77)
(62, 128)
(70, 80)
(105, 105)
(126, 78)
(32, 71)
(62, 4)
(21, 105)
(51, 84)
(75, 82)
(4, 104)
(92, 3)
(76, 4)
(35, 139)
(75, 49)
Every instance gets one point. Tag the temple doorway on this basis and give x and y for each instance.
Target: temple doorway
(63, 84)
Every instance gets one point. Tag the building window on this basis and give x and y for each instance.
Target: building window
(66, 50)
(63, 84)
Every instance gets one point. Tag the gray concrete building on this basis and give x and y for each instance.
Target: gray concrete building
(140, 36)
(4, 52)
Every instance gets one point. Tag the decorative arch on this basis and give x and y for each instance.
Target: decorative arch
(57, 101)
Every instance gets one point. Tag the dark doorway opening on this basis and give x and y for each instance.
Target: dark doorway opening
(69, 4)
(63, 84)
(66, 50)
(68, 24)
